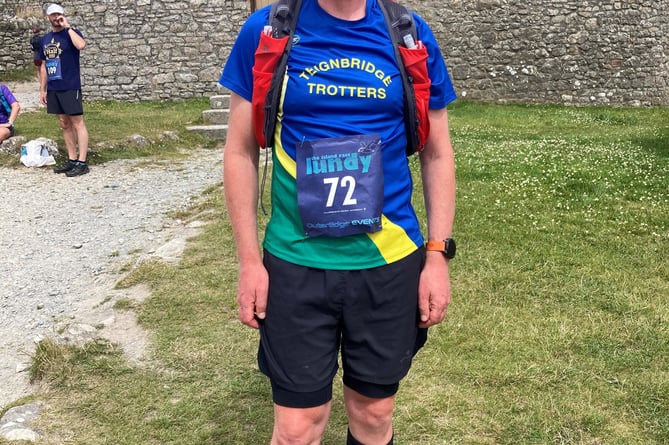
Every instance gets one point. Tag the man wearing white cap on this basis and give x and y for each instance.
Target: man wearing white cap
(60, 87)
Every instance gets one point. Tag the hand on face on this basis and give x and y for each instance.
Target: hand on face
(58, 21)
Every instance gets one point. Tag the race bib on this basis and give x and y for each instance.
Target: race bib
(340, 185)
(53, 70)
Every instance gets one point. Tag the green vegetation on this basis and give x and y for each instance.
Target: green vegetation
(558, 332)
(111, 125)
(25, 74)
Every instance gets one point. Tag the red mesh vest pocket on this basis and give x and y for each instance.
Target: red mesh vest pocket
(415, 63)
(267, 57)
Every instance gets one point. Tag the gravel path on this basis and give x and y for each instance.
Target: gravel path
(64, 241)
(27, 93)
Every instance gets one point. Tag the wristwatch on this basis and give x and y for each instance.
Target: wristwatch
(447, 247)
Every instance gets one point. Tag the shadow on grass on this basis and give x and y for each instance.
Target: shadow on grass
(656, 144)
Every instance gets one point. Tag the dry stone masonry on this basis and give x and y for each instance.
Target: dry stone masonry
(551, 51)
(558, 51)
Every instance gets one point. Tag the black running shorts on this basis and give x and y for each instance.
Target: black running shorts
(370, 315)
(64, 102)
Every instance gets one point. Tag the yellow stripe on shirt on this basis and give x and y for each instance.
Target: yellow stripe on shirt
(392, 241)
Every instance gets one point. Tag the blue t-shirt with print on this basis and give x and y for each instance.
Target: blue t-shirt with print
(61, 59)
(343, 80)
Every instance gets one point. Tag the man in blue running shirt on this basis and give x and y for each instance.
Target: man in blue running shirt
(60, 87)
(344, 270)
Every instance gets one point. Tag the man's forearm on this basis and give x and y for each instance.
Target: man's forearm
(240, 178)
(241, 197)
(77, 40)
(438, 174)
(42, 77)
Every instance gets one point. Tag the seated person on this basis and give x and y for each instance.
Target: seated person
(9, 109)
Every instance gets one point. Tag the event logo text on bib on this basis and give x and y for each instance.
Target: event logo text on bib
(340, 185)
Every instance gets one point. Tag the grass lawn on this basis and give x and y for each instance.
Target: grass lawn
(111, 125)
(558, 332)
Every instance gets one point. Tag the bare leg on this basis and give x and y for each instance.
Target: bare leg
(370, 420)
(4, 133)
(69, 136)
(75, 134)
(299, 426)
(81, 132)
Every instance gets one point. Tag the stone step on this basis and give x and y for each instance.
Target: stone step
(211, 131)
(220, 101)
(216, 116)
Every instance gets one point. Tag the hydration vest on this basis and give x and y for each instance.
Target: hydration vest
(271, 58)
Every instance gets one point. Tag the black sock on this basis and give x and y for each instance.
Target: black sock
(350, 440)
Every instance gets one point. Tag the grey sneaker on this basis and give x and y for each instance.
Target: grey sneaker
(77, 170)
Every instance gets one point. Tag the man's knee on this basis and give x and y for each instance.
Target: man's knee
(79, 127)
(375, 416)
(370, 419)
(299, 426)
(65, 122)
(373, 413)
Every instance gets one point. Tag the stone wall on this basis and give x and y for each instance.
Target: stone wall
(17, 19)
(559, 51)
(142, 49)
(553, 51)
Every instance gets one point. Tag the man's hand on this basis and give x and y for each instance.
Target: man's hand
(434, 290)
(252, 291)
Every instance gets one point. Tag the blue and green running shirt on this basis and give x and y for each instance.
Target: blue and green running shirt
(342, 80)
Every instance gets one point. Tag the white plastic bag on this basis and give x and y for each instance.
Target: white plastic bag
(35, 154)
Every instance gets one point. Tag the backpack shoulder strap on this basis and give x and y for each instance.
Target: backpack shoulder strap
(283, 20)
(283, 17)
(402, 30)
(399, 21)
